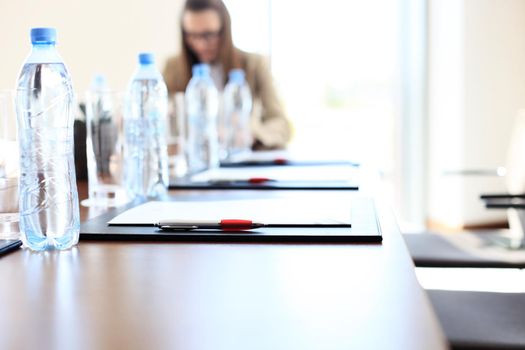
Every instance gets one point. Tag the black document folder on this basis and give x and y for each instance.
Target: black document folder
(9, 245)
(269, 185)
(286, 162)
(365, 228)
(308, 177)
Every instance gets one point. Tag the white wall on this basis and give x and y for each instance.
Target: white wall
(476, 86)
(96, 36)
(446, 108)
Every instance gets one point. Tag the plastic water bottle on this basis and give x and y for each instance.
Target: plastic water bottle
(145, 132)
(202, 108)
(235, 132)
(49, 213)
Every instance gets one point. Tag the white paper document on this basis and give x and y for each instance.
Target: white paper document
(261, 156)
(284, 173)
(266, 211)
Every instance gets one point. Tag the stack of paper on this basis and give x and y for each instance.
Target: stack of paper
(266, 211)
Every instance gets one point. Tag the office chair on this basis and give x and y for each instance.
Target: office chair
(514, 200)
(473, 320)
(482, 320)
(465, 249)
(479, 249)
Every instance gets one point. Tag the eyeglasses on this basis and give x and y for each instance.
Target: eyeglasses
(206, 36)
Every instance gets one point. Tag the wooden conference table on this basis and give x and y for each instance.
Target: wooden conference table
(131, 295)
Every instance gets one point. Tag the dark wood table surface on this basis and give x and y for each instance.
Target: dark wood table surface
(131, 295)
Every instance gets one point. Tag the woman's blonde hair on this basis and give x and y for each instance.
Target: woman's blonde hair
(228, 54)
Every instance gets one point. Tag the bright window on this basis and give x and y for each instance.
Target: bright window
(336, 67)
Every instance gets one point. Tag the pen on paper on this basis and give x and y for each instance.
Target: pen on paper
(251, 180)
(226, 224)
(234, 225)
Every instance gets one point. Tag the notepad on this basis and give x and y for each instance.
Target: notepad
(262, 156)
(292, 157)
(268, 211)
(300, 173)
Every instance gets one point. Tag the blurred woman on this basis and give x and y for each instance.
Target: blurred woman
(207, 38)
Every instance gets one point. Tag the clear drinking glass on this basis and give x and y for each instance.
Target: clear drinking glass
(177, 136)
(9, 167)
(104, 148)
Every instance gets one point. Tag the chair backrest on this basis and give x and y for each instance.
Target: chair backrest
(515, 178)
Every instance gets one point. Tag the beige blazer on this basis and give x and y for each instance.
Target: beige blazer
(270, 126)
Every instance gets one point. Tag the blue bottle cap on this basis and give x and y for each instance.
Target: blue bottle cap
(200, 70)
(146, 58)
(236, 75)
(99, 82)
(43, 35)
(99, 79)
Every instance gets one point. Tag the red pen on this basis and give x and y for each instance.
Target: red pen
(251, 180)
(280, 161)
(225, 224)
(259, 180)
(234, 225)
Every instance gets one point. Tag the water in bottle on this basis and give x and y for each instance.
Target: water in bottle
(234, 125)
(145, 132)
(202, 107)
(49, 213)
